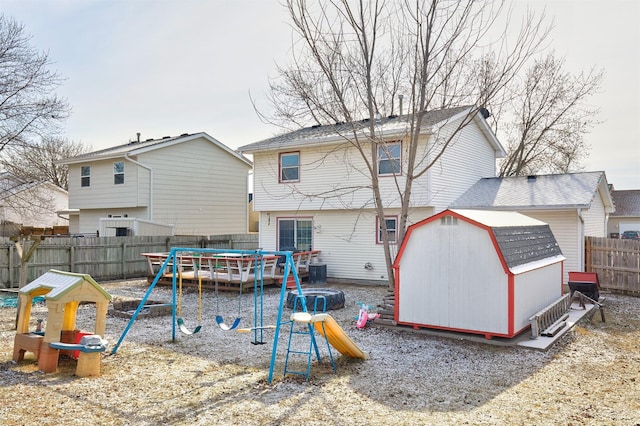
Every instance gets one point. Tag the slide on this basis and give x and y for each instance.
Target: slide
(337, 337)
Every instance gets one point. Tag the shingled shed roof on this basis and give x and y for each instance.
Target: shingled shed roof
(521, 239)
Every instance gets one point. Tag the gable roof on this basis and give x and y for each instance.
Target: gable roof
(558, 191)
(392, 125)
(135, 148)
(627, 202)
(60, 283)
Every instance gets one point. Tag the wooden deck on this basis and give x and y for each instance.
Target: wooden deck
(227, 271)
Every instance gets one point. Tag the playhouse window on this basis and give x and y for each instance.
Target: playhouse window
(118, 173)
(85, 176)
(392, 227)
(389, 155)
(295, 233)
(290, 167)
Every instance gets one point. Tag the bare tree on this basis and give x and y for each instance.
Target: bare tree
(352, 58)
(549, 119)
(28, 103)
(38, 161)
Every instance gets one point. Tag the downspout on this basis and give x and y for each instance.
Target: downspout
(126, 156)
(581, 233)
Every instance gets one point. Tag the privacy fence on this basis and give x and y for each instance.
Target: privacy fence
(617, 263)
(104, 258)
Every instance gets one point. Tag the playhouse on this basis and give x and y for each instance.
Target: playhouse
(474, 271)
(63, 292)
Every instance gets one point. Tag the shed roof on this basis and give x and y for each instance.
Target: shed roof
(524, 243)
(627, 202)
(60, 283)
(392, 125)
(556, 191)
(521, 239)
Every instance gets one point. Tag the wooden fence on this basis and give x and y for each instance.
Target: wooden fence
(617, 263)
(104, 258)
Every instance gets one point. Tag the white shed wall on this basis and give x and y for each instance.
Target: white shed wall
(535, 290)
(452, 277)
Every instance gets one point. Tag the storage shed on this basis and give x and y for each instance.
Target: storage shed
(475, 271)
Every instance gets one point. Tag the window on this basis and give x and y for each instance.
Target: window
(449, 221)
(392, 227)
(295, 233)
(290, 167)
(118, 173)
(389, 156)
(85, 175)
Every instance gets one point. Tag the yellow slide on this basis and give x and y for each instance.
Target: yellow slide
(336, 336)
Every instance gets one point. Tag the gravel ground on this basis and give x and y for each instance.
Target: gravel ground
(590, 377)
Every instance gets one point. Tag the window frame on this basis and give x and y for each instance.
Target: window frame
(117, 174)
(383, 151)
(379, 239)
(295, 231)
(280, 167)
(85, 177)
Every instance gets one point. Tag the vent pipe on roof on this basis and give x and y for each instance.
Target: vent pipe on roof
(400, 99)
(138, 134)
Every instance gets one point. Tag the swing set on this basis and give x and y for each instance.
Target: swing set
(176, 260)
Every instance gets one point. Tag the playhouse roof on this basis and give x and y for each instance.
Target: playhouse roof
(60, 283)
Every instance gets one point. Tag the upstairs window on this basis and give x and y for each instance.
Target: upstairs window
(389, 158)
(118, 173)
(85, 176)
(392, 227)
(290, 167)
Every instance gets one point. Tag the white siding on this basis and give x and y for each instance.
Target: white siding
(535, 290)
(566, 227)
(595, 219)
(347, 240)
(470, 157)
(199, 188)
(451, 277)
(102, 192)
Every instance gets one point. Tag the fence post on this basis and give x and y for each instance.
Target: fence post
(124, 261)
(72, 258)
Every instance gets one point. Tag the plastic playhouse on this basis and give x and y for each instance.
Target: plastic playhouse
(63, 292)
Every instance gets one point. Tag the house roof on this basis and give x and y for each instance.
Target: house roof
(559, 191)
(627, 202)
(135, 148)
(392, 125)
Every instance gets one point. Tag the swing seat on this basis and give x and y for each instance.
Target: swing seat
(224, 326)
(184, 328)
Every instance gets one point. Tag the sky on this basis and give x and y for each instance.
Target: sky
(167, 67)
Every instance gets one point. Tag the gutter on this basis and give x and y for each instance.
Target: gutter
(126, 156)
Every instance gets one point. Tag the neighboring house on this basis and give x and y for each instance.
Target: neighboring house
(627, 214)
(31, 204)
(185, 185)
(312, 191)
(575, 205)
